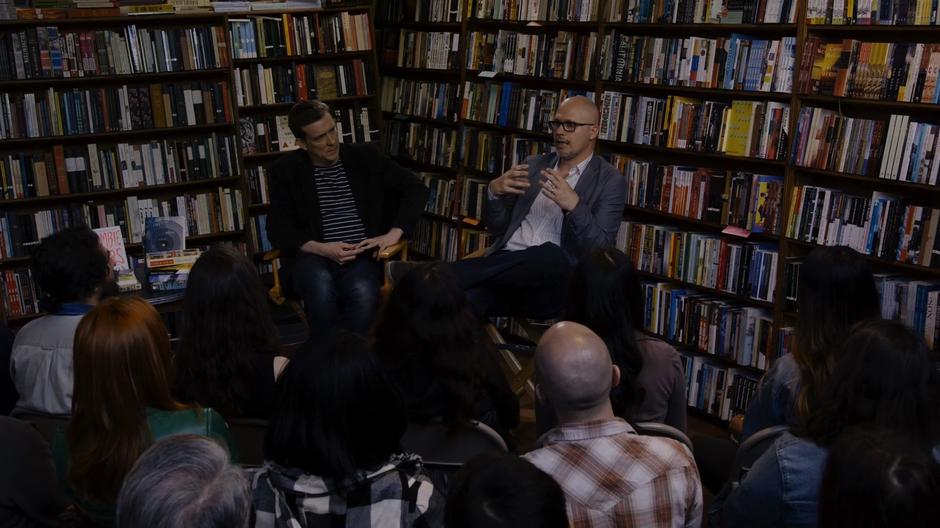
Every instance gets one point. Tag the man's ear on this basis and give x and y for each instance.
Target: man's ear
(615, 376)
(300, 143)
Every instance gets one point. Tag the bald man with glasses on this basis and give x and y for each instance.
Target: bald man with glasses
(543, 216)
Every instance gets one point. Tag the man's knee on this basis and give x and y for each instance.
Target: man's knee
(311, 274)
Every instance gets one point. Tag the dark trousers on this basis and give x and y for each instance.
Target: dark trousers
(532, 282)
(337, 296)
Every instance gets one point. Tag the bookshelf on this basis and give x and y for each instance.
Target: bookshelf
(731, 188)
(108, 120)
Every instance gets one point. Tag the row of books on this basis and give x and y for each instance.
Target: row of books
(473, 196)
(299, 34)
(421, 10)
(737, 62)
(473, 240)
(205, 213)
(879, 224)
(103, 167)
(561, 55)
(493, 152)
(258, 231)
(741, 199)
(437, 240)
(828, 140)
(891, 71)
(422, 143)
(702, 11)
(77, 111)
(19, 293)
(747, 269)
(546, 10)
(755, 129)
(715, 389)
(708, 325)
(288, 83)
(508, 104)
(354, 124)
(258, 190)
(441, 196)
(432, 50)
(871, 12)
(910, 151)
(430, 99)
(48, 52)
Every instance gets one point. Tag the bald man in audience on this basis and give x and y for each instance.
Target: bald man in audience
(610, 475)
(543, 215)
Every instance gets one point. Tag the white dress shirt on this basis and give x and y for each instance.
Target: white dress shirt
(543, 221)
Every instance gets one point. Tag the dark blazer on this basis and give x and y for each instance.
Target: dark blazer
(593, 223)
(386, 194)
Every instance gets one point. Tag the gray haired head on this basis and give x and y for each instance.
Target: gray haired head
(184, 480)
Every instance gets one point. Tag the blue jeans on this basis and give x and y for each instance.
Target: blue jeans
(337, 296)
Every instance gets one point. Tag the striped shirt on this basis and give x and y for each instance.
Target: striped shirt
(613, 477)
(338, 213)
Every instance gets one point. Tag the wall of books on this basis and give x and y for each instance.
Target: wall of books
(107, 119)
(749, 132)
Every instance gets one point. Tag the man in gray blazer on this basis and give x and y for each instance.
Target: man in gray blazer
(544, 215)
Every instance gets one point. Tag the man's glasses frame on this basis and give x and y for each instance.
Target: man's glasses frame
(568, 126)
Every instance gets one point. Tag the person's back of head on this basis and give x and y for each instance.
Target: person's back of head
(226, 319)
(72, 266)
(184, 480)
(426, 325)
(501, 490)
(836, 290)
(574, 373)
(878, 479)
(605, 295)
(122, 367)
(885, 377)
(336, 411)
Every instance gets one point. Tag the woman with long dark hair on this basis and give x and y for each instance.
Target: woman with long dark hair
(122, 403)
(437, 351)
(605, 295)
(227, 356)
(332, 450)
(883, 377)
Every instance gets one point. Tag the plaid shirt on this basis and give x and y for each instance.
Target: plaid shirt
(396, 494)
(613, 477)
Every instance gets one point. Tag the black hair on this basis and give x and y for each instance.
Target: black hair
(427, 332)
(226, 319)
(879, 479)
(605, 295)
(69, 266)
(336, 411)
(884, 377)
(500, 490)
(836, 290)
(304, 113)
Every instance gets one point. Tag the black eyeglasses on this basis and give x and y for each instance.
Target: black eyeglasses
(569, 126)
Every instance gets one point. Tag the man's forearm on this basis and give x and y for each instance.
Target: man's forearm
(312, 247)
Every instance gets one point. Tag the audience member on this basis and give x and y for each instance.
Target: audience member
(73, 272)
(30, 496)
(884, 377)
(333, 206)
(500, 490)
(8, 394)
(836, 290)
(184, 481)
(605, 295)
(878, 479)
(122, 403)
(332, 447)
(543, 216)
(227, 356)
(610, 475)
(438, 352)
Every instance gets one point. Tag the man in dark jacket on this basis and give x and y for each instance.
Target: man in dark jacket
(334, 207)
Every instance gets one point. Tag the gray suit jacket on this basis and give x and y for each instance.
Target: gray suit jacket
(592, 224)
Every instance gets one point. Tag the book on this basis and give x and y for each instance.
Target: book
(165, 233)
(112, 239)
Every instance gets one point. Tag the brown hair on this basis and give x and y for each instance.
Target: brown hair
(122, 367)
(304, 113)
